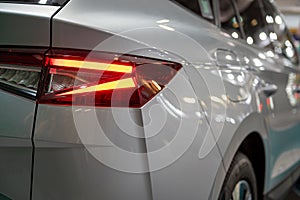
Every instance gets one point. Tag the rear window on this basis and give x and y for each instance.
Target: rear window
(229, 19)
(202, 8)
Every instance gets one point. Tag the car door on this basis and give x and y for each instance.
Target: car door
(285, 126)
(270, 79)
(24, 37)
(274, 70)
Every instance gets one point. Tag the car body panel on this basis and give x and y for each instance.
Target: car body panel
(26, 26)
(183, 144)
(188, 30)
(282, 118)
(231, 107)
(76, 148)
(26, 18)
(15, 145)
(140, 41)
(180, 144)
(81, 147)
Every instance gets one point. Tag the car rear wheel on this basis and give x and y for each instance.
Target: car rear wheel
(240, 181)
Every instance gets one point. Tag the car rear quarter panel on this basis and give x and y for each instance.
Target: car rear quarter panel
(139, 27)
(19, 20)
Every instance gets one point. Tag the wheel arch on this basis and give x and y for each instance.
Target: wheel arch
(257, 158)
(246, 136)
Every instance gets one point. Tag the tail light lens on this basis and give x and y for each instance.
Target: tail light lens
(20, 70)
(103, 79)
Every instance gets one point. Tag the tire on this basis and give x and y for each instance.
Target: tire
(240, 177)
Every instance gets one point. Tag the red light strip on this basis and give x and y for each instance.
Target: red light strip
(119, 84)
(90, 65)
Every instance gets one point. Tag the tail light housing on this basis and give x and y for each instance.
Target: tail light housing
(74, 77)
(20, 70)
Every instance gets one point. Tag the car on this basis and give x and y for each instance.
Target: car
(139, 99)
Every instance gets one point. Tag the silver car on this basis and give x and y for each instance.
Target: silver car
(140, 99)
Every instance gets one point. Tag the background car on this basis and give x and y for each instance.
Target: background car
(138, 99)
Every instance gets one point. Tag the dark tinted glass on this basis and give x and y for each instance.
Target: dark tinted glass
(281, 39)
(252, 20)
(193, 5)
(229, 19)
(200, 7)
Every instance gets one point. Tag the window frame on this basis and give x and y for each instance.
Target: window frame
(237, 14)
(287, 32)
(211, 21)
(242, 27)
(243, 38)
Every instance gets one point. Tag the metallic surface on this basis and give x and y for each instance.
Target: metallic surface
(24, 24)
(15, 145)
(211, 106)
(242, 191)
(21, 25)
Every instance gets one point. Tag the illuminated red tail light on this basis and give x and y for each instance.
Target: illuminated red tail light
(103, 79)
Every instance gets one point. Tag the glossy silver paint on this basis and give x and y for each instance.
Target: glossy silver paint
(239, 101)
(16, 147)
(202, 95)
(26, 25)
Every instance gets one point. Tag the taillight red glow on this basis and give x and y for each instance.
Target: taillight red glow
(90, 65)
(113, 85)
(103, 79)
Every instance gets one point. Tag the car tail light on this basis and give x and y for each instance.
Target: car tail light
(103, 79)
(20, 70)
